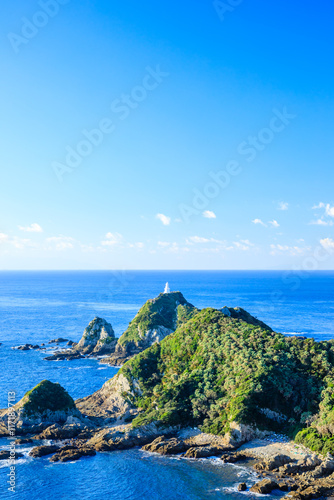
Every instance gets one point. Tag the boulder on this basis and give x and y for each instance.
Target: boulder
(23, 441)
(70, 453)
(42, 451)
(204, 451)
(242, 487)
(274, 462)
(165, 446)
(298, 467)
(264, 487)
(58, 341)
(64, 355)
(25, 347)
(70, 343)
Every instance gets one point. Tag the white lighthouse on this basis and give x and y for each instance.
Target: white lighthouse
(167, 289)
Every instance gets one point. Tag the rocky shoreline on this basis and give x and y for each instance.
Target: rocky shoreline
(282, 466)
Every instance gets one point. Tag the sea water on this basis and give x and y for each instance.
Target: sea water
(36, 307)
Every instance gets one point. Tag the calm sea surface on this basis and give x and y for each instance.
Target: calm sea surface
(36, 307)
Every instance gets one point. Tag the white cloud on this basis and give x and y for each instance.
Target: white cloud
(3, 238)
(321, 222)
(329, 209)
(163, 244)
(243, 245)
(259, 221)
(61, 242)
(164, 219)
(283, 206)
(33, 228)
(139, 245)
(320, 205)
(209, 215)
(327, 243)
(292, 250)
(274, 223)
(198, 239)
(112, 239)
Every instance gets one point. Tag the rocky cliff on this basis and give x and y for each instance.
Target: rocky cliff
(98, 339)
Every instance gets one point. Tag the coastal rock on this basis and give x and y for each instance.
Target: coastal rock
(108, 402)
(165, 446)
(234, 457)
(5, 455)
(299, 467)
(63, 355)
(26, 347)
(58, 341)
(70, 343)
(44, 405)
(242, 433)
(98, 339)
(70, 453)
(42, 451)
(125, 436)
(204, 451)
(274, 462)
(264, 487)
(242, 487)
(58, 432)
(23, 441)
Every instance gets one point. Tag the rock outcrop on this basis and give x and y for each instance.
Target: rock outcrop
(71, 453)
(109, 402)
(44, 405)
(98, 339)
(43, 451)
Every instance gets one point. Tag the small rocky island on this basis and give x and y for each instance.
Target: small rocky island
(98, 339)
(198, 383)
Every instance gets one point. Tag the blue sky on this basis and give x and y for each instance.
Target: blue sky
(165, 136)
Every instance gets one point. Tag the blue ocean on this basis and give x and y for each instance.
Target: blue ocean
(36, 307)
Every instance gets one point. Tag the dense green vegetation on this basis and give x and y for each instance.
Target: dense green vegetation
(217, 369)
(167, 310)
(47, 396)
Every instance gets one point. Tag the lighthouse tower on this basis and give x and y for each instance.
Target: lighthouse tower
(167, 289)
